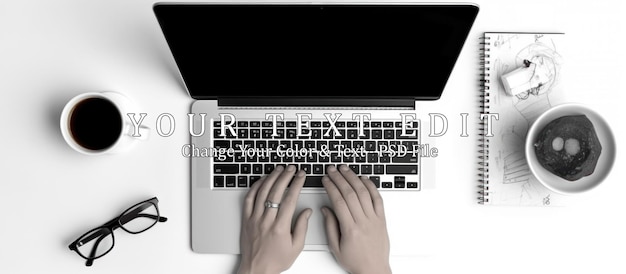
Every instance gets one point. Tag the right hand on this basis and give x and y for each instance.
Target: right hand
(356, 230)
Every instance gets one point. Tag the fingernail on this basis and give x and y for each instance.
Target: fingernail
(344, 167)
(291, 168)
(332, 169)
(279, 168)
(300, 173)
(324, 211)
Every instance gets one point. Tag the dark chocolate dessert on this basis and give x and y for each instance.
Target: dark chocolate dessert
(568, 147)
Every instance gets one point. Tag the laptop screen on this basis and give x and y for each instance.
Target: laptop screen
(390, 50)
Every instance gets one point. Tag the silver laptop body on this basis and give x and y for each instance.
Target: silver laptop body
(328, 67)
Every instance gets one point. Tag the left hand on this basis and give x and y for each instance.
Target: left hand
(268, 244)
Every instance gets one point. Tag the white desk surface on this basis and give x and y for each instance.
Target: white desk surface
(51, 51)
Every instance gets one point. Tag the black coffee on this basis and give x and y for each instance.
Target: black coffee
(95, 123)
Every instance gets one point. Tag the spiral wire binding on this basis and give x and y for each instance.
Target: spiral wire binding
(483, 147)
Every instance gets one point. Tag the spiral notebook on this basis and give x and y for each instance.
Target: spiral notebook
(504, 175)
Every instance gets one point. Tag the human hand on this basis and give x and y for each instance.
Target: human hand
(357, 230)
(268, 245)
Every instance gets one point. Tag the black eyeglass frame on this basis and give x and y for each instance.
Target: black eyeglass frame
(116, 223)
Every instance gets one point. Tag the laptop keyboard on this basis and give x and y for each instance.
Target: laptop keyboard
(378, 150)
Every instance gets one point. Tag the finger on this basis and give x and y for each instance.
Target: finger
(339, 204)
(332, 229)
(248, 207)
(289, 202)
(300, 228)
(261, 197)
(278, 190)
(348, 193)
(359, 187)
(377, 200)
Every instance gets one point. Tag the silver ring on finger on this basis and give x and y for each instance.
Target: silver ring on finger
(270, 204)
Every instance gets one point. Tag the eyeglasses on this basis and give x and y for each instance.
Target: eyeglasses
(100, 240)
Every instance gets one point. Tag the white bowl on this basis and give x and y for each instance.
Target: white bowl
(605, 161)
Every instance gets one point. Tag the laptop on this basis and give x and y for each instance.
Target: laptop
(305, 84)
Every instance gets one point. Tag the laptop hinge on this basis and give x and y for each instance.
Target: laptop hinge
(403, 102)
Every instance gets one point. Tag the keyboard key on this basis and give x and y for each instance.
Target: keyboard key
(379, 169)
(408, 158)
(335, 157)
(266, 133)
(246, 168)
(411, 184)
(366, 134)
(242, 181)
(239, 157)
(254, 179)
(226, 168)
(372, 157)
(311, 157)
(398, 182)
(291, 133)
(316, 134)
(216, 134)
(402, 169)
(267, 168)
(341, 134)
(313, 181)
(385, 158)
(375, 180)
(218, 181)
(377, 134)
(242, 133)
(309, 144)
(231, 181)
(318, 169)
(355, 168)
(255, 133)
(221, 144)
(352, 134)
(366, 169)
(387, 184)
(257, 168)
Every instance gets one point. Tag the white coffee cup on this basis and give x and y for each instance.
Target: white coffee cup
(96, 123)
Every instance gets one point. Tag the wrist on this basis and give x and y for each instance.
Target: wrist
(247, 269)
(383, 270)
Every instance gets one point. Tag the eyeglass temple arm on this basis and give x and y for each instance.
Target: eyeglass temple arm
(89, 261)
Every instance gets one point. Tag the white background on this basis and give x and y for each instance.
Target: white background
(51, 51)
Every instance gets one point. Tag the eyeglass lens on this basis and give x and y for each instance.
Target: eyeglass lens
(139, 218)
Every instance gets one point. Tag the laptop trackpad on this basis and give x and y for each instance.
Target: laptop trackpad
(316, 233)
